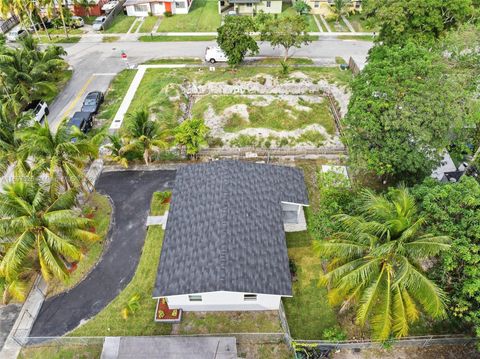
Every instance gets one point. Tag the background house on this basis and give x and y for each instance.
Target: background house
(224, 247)
(155, 7)
(250, 7)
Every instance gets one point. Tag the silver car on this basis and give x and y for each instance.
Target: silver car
(98, 23)
(16, 34)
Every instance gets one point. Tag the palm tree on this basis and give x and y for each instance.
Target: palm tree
(40, 224)
(10, 154)
(340, 8)
(142, 134)
(55, 153)
(116, 153)
(377, 264)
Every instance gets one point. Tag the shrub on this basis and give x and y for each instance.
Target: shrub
(262, 80)
(267, 144)
(168, 14)
(297, 80)
(334, 334)
(244, 141)
(160, 314)
(214, 141)
(285, 68)
(229, 82)
(283, 142)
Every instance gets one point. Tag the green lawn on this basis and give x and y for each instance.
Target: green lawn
(337, 26)
(90, 351)
(57, 39)
(203, 16)
(110, 38)
(308, 311)
(356, 37)
(360, 24)
(179, 60)
(121, 24)
(109, 321)
(114, 96)
(277, 115)
(148, 24)
(89, 19)
(160, 38)
(100, 205)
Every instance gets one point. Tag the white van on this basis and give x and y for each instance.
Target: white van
(215, 54)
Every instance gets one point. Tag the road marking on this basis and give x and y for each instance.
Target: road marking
(105, 74)
(76, 99)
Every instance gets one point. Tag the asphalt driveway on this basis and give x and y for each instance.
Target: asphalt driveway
(131, 193)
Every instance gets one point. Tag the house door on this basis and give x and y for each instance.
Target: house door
(168, 7)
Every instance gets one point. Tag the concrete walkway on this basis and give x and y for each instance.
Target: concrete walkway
(349, 25)
(174, 347)
(320, 28)
(326, 25)
(127, 100)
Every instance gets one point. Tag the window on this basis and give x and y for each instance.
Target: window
(249, 297)
(180, 5)
(249, 4)
(195, 298)
(141, 8)
(269, 4)
(317, 4)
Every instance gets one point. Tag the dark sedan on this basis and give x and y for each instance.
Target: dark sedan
(82, 120)
(92, 102)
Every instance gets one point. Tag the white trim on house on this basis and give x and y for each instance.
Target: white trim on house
(224, 301)
(157, 7)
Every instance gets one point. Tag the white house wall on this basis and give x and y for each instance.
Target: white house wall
(224, 301)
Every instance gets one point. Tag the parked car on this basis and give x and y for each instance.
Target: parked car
(92, 102)
(39, 108)
(215, 54)
(34, 27)
(16, 34)
(109, 6)
(76, 22)
(98, 23)
(82, 120)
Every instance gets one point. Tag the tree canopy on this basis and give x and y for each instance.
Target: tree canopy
(405, 109)
(235, 40)
(426, 20)
(454, 209)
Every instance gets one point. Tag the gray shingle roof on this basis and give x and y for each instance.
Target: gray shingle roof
(225, 230)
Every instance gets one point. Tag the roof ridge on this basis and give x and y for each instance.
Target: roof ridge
(224, 190)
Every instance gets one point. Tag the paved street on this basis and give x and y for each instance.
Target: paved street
(96, 63)
(131, 193)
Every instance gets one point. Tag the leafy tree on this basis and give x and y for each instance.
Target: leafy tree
(454, 209)
(340, 7)
(301, 7)
(85, 5)
(425, 20)
(192, 134)
(116, 153)
(287, 31)
(36, 224)
(404, 110)
(56, 155)
(235, 40)
(142, 134)
(377, 264)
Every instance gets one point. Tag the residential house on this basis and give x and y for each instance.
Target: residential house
(156, 7)
(224, 247)
(250, 7)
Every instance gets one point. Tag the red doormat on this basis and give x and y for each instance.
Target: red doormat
(164, 314)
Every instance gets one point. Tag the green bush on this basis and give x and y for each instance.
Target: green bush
(244, 141)
(334, 334)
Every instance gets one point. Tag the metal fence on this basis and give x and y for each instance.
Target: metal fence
(8, 24)
(267, 152)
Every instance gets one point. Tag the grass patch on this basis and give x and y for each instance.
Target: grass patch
(277, 115)
(360, 24)
(263, 351)
(89, 351)
(102, 210)
(148, 24)
(89, 19)
(229, 322)
(340, 60)
(180, 60)
(109, 321)
(356, 37)
(121, 24)
(288, 10)
(162, 38)
(337, 26)
(114, 95)
(312, 137)
(203, 16)
(290, 61)
(60, 31)
(57, 39)
(110, 38)
(308, 311)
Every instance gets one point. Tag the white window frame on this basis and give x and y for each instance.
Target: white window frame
(249, 4)
(316, 4)
(141, 8)
(268, 4)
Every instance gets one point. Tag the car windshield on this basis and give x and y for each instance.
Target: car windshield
(97, 21)
(89, 102)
